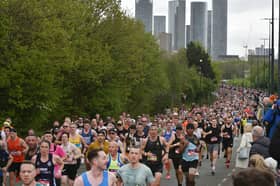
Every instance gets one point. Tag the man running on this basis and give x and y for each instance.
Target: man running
(135, 173)
(175, 154)
(17, 148)
(167, 136)
(98, 174)
(27, 174)
(212, 138)
(190, 148)
(115, 159)
(227, 135)
(155, 151)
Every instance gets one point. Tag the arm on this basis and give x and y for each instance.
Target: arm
(10, 161)
(77, 153)
(166, 149)
(112, 180)
(183, 144)
(24, 145)
(83, 142)
(57, 160)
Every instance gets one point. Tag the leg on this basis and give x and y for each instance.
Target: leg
(157, 178)
(180, 175)
(64, 180)
(12, 178)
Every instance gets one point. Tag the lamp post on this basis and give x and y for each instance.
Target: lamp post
(279, 54)
(264, 63)
(200, 75)
(272, 49)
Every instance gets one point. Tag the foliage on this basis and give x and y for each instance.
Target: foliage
(86, 57)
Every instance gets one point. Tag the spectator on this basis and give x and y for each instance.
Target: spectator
(260, 143)
(246, 141)
(253, 177)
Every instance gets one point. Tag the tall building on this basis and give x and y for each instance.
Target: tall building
(180, 22)
(209, 32)
(159, 25)
(172, 9)
(188, 34)
(199, 23)
(144, 13)
(165, 41)
(220, 14)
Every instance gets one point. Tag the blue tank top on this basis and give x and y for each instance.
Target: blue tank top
(105, 181)
(167, 135)
(87, 137)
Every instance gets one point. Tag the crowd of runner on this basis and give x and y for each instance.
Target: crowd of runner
(135, 151)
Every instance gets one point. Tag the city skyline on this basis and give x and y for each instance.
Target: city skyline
(245, 26)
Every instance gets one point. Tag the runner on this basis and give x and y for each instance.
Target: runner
(5, 162)
(58, 151)
(212, 138)
(87, 133)
(70, 162)
(44, 162)
(27, 174)
(167, 135)
(227, 135)
(175, 154)
(98, 174)
(135, 173)
(190, 147)
(115, 159)
(17, 148)
(32, 143)
(155, 151)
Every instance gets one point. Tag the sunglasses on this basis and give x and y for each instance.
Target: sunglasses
(65, 126)
(112, 133)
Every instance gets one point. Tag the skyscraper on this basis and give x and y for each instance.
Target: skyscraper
(172, 8)
(188, 34)
(144, 13)
(199, 23)
(159, 25)
(220, 14)
(180, 25)
(209, 32)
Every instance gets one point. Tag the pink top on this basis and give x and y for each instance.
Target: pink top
(57, 150)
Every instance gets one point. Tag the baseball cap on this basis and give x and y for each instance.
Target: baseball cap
(113, 130)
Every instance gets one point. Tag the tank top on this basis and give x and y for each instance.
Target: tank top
(105, 181)
(167, 135)
(87, 137)
(76, 141)
(174, 151)
(46, 174)
(156, 148)
(114, 165)
(228, 130)
(13, 146)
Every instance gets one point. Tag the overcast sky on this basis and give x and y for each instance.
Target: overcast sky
(245, 26)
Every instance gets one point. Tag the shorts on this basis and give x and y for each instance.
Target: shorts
(70, 171)
(176, 162)
(186, 165)
(227, 144)
(213, 147)
(15, 166)
(155, 168)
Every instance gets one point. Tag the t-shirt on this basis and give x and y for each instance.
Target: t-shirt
(57, 150)
(140, 176)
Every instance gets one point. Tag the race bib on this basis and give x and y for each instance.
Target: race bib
(213, 139)
(152, 158)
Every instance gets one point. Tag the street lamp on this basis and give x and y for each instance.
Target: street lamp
(264, 63)
(200, 76)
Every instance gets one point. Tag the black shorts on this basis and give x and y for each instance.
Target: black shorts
(155, 167)
(227, 144)
(176, 162)
(189, 164)
(70, 171)
(14, 167)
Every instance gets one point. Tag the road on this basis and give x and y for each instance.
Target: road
(221, 178)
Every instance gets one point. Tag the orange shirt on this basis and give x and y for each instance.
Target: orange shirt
(14, 146)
